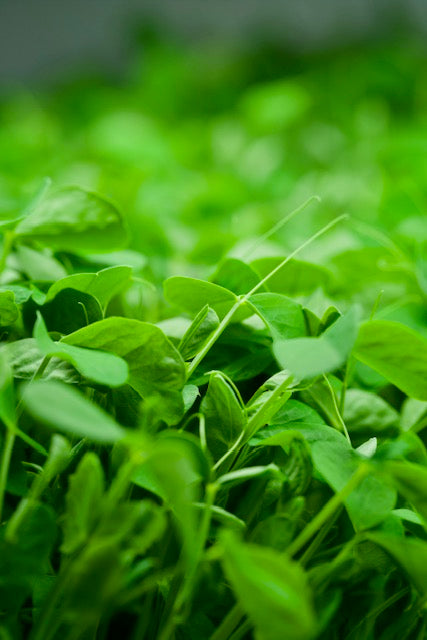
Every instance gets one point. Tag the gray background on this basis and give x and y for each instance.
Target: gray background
(40, 40)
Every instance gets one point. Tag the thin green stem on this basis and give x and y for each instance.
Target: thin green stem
(202, 433)
(381, 238)
(327, 511)
(317, 541)
(230, 452)
(49, 621)
(146, 586)
(337, 409)
(379, 609)
(228, 624)
(212, 339)
(183, 598)
(243, 299)
(242, 630)
(279, 225)
(294, 253)
(9, 441)
(141, 626)
(344, 387)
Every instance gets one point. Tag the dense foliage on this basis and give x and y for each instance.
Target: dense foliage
(214, 408)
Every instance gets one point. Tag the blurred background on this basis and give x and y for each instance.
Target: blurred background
(44, 39)
(207, 122)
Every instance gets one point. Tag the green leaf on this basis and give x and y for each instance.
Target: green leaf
(298, 277)
(224, 416)
(103, 285)
(7, 393)
(59, 457)
(198, 332)
(397, 353)
(84, 503)
(297, 465)
(267, 401)
(411, 481)
(410, 554)
(23, 559)
(365, 269)
(278, 530)
(190, 393)
(92, 584)
(74, 220)
(25, 358)
(271, 589)
(335, 459)
(367, 414)
(223, 517)
(414, 415)
(9, 312)
(70, 310)
(236, 276)
(156, 368)
(22, 294)
(234, 478)
(39, 266)
(174, 471)
(408, 516)
(191, 295)
(98, 366)
(62, 408)
(248, 366)
(283, 316)
(153, 361)
(325, 397)
(310, 357)
(295, 412)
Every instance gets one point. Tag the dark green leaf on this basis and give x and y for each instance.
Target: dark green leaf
(23, 559)
(92, 585)
(69, 311)
(336, 461)
(410, 554)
